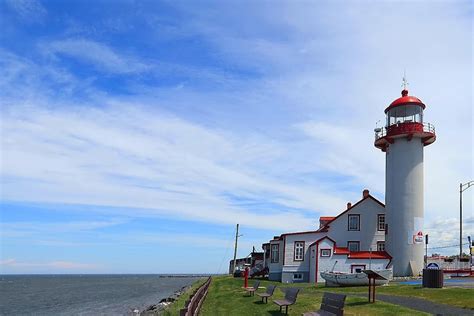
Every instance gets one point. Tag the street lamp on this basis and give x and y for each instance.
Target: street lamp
(462, 188)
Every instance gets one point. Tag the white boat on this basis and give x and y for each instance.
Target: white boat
(354, 279)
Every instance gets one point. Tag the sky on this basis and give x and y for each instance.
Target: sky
(136, 134)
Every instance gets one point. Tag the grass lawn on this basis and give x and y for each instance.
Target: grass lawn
(226, 297)
(459, 297)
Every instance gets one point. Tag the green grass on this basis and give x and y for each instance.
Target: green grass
(174, 308)
(453, 296)
(226, 297)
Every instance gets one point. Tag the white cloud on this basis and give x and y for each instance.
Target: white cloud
(325, 75)
(154, 162)
(28, 10)
(98, 54)
(57, 265)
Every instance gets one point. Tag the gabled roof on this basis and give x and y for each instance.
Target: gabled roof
(326, 226)
(330, 219)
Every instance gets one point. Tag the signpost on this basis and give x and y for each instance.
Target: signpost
(372, 275)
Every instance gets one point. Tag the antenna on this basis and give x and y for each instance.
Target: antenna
(404, 80)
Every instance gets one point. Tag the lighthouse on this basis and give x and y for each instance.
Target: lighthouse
(403, 140)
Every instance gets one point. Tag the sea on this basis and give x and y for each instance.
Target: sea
(85, 294)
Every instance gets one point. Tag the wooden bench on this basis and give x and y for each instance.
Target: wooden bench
(290, 298)
(268, 293)
(332, 304)
(251, 290)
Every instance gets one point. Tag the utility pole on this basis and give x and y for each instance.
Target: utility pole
(235, 248)
(462, 188)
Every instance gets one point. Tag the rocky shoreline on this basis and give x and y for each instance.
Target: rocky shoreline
(155, 309)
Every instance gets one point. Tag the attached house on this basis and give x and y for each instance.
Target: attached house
(352, 241)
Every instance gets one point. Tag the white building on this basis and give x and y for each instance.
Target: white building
(356, 238)
(351, 241)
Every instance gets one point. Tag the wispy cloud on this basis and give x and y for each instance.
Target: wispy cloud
(244, 117)
(95, 54)
(28, 10)
(57, 265)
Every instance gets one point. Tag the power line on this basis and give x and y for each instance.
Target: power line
(449, 246)
(229, 243)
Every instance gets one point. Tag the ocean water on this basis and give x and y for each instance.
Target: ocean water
(84, 294)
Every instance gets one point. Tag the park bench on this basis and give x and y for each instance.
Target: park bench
(268, 293)
(332, 304)
(251, 290)
(290, 298)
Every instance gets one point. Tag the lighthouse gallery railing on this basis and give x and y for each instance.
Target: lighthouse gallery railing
(382, 131)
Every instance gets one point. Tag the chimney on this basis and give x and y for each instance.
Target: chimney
(365, 193)
(349, 204)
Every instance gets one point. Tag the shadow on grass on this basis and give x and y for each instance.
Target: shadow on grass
(358, 303)
(259, 303)
(276, 312)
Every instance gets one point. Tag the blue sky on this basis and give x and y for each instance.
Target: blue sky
(136, 134)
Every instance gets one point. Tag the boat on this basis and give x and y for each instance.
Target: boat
(354, 279)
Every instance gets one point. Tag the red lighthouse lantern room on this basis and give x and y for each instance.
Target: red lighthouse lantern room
(404, 118)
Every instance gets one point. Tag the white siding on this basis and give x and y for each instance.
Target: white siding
(341, 263)
(308, 239)
(368, 235)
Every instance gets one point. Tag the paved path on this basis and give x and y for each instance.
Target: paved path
(423, 305)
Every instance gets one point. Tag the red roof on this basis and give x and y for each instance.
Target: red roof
(341, 251)
(327, 218)
(369, 255)
(405, 99)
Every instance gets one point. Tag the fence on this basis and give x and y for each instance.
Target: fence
(193, 305)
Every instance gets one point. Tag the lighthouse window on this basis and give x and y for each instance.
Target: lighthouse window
(353, 222)
(405, 113)
(381, 222)
(275, 253)
(299, 251)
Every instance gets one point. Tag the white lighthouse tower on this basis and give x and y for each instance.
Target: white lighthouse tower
(403, 139)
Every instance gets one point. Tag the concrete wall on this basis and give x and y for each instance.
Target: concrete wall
(404, 204)
(289, 271)
(368, 234)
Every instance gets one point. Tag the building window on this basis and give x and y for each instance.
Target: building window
(357, 268)
(325, 252)
(380, 245)
(297, 276)
(353, 245)
(353, 222)
(299, 251)
(381, 222)
(275, 253)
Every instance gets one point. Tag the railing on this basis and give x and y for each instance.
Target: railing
(410, 127)
(193, 305)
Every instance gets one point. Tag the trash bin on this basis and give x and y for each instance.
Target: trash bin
(433, 278)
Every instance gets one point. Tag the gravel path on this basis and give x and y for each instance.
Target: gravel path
(422, 305)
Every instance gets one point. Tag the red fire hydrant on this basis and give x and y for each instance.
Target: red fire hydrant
(246, 277)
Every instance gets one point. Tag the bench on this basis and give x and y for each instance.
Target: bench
(290, 298)
(251, 290)
(268, 293)
(332, 304)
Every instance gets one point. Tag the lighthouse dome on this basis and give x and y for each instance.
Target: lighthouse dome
(405, 99)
